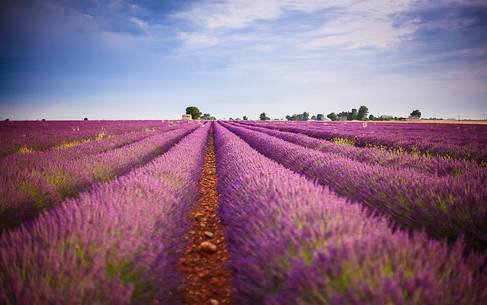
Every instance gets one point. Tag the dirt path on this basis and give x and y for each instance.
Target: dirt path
(206, 279)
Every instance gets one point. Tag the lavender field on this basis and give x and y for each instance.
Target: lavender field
(106, 212)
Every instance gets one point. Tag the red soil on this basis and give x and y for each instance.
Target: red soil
(206, 278)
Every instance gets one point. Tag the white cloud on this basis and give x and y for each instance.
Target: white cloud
(138, 22)
(196, 41)
(214, 15)
(359, 23)
(356, 32)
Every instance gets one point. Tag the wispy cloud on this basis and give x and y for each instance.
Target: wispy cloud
(369, 36)
(222, 15)
(350, 24)
(350, 33)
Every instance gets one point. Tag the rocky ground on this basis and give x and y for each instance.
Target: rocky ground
(204, 265)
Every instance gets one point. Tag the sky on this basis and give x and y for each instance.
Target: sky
(125, 59)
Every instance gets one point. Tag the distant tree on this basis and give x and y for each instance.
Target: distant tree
(194, 111)
(7, 120)
(43, 120)
(362, 113)
(264, 117)
(207, 116)
(298, 117)
(344, 114)
(294, 117)
(85, 119)
(332, 116)
(313, 117)
(416, 113)
(245, 118)
(352, 115)
(320, 117)
(372, 117)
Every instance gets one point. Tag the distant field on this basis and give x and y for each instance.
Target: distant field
(243, 212)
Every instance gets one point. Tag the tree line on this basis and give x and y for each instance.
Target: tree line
(360, 114)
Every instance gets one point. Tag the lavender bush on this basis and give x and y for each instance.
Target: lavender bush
(375, 156)
(29, 136)
(294, 242)
(116, 244)
(69, 151)
(28, 190)
(447, 140)
(445, 207)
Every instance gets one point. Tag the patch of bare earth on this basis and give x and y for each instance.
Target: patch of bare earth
(206, 278)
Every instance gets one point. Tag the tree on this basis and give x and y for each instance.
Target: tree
(416, 113)
(362, 113)
(352, 115)
(207, 116)
(194, 111)
(313, 117)
(332, 116)
(320, 117)
(344, 114)
(371, 117)
(85, 119)
(245, 118)
(304, 116)
(264, 117)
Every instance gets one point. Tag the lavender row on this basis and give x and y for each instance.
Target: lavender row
(117, 244)
(294, 242)
(74, 150)
(26, 192)
(375, 156)
(445, 207)
(455, 134)
(29, 136)
(461, 141)
(446, 140)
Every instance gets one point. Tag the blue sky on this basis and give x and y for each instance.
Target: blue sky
(150, 59)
